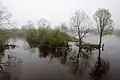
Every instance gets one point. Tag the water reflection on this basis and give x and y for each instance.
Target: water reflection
(29, 46)
(1, 57)
(9, 66)
(100, 69)
(78, 65)
(54, 52)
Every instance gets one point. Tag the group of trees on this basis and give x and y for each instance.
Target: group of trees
(5, 25)
(82, 24)
(46, 34)
(79, 22)
(4, 22)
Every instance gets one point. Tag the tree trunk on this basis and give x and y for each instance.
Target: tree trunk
(100, 46)
(100, 40)
(80, 43)
(79, 51)
(99, 55)
(78, 55)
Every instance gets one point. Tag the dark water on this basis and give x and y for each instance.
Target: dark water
(34, 65)
(111, 53)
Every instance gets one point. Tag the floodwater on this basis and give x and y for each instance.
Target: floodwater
(31, 64)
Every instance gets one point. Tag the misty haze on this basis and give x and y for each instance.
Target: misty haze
(59, 40)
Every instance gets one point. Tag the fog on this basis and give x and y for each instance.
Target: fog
(57, 11)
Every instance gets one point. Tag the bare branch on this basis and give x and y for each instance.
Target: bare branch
(4, 17)
(80, 22)
(103, 21)
(43, 23)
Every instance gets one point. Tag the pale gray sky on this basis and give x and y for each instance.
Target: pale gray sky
(57, 11)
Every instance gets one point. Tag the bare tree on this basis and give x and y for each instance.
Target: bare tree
(43, 23)
(104, 22)
(80, 25)
(63, 27)
(30, 24)
(4, 17)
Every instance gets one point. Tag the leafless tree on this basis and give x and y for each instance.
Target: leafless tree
(64, 27)
(30, 24)
(80, 25)
(104, 23)
(4, 17)
(43, 23)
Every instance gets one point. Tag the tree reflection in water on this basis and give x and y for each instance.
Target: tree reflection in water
(100, 69)
(78, 65)
(8, 64)
(32, 48)
(54, 52)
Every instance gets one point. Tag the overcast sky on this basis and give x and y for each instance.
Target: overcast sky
(57, 11)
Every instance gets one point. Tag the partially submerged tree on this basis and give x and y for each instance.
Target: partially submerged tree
(104, 23)
(30, 32)
(43, 25)
(4, 23)
(80, 26)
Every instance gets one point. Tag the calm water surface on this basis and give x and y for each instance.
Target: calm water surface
(36, 67)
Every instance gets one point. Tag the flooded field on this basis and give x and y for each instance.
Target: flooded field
(33, 64)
